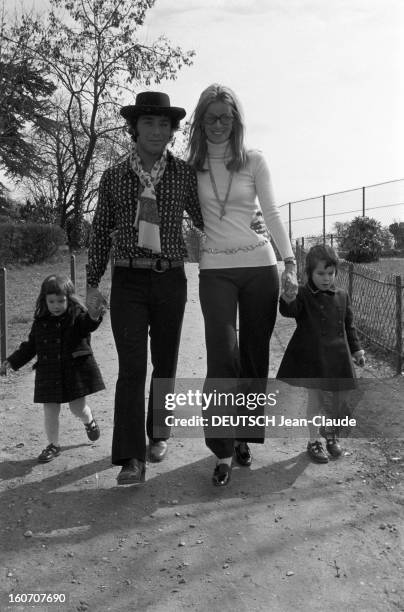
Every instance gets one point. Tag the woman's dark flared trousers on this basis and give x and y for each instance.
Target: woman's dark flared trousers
(144, 303)
(242, 360)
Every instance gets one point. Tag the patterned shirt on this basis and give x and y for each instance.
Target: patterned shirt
(116, 211)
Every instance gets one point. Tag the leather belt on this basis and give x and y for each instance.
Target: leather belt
(158, 265)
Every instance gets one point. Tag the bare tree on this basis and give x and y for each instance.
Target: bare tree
(92, 49)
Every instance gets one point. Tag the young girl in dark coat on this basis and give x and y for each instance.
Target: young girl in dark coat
(66, 370)
(320, 353)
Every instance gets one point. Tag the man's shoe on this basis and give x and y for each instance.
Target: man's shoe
(333, 446)
(243, 454)
(92, 430)
(317, 452)
(221, 475)
(49, 453)
(132, 473)
(157, 451)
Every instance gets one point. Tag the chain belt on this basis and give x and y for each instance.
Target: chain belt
(229, 251)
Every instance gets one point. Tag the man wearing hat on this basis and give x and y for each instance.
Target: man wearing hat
(138, 220)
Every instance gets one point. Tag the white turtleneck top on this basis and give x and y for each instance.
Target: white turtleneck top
(230, 241)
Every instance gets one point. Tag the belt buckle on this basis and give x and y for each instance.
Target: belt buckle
(157, 266)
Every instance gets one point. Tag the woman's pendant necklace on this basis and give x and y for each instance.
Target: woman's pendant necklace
(215, 191)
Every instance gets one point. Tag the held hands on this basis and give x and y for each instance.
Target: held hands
(4, 367)
(359, 357)
(258, 225)
(289, 284)
(96, 303)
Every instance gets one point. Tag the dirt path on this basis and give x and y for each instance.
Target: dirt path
(286, 535)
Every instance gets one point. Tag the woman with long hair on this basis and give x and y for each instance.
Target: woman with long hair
(238, 267)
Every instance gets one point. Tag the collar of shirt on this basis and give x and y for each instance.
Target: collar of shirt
(314, 290)
(126, 167)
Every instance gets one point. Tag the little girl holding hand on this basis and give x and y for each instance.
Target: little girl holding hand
(320, 353)
(66, 370)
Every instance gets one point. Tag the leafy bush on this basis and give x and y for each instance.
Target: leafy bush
(8, 208)
(387, 239)
(29, 242)
(397, 229)
(362, 239)
(41, 210)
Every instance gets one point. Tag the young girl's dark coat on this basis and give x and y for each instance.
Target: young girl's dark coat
(65, 366)
(324, 339)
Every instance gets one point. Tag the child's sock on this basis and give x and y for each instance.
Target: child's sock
(86, 416)
(51, 422)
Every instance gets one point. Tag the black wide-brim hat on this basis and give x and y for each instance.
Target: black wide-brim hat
(152, 103)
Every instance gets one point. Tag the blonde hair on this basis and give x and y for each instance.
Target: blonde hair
(197, 147)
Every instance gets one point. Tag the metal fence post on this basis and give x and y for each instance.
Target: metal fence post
(73, 269)
(290, 220)
(399, 324)
(363, 202)
(3, 314)
(350, 280)
(323, 219)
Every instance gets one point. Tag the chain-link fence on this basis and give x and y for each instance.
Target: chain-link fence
(382, 201)
(377, 301)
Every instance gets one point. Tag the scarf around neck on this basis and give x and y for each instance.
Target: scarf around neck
(147, 220)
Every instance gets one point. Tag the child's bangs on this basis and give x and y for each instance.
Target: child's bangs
(57, 285)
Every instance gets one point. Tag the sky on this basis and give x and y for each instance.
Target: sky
(320, 82)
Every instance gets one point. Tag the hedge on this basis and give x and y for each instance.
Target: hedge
(28, 243)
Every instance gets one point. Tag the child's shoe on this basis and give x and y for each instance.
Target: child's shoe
(333, 446)
(317, 452)
(92, 430)
(49, 453)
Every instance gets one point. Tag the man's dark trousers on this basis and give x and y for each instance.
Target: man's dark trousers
(144, 302)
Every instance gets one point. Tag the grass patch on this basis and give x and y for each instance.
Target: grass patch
(392, 266)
